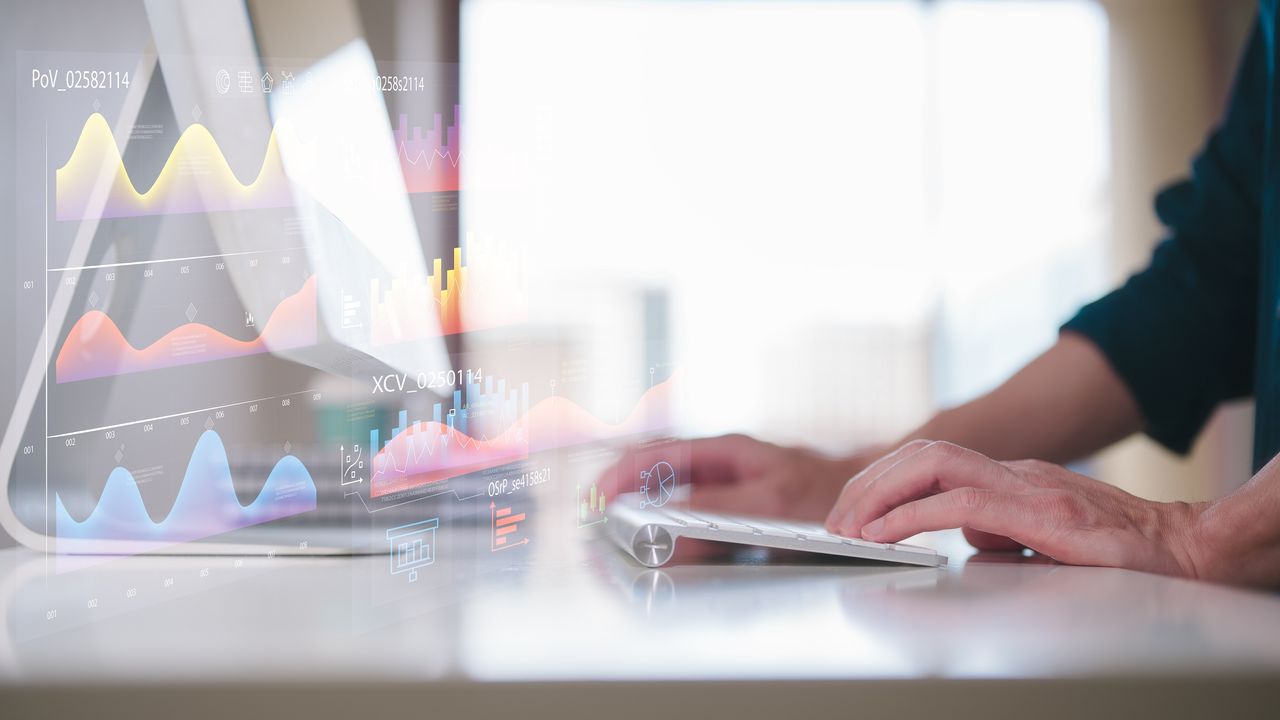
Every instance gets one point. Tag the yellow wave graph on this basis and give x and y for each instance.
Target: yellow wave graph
(196, 177)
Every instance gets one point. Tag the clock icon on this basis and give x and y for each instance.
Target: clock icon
(659, 484)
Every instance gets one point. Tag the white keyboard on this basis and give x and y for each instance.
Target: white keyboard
(649, 534)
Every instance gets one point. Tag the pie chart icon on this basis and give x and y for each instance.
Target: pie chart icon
(659, 484)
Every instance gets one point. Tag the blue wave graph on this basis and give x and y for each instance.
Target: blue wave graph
(206, 504)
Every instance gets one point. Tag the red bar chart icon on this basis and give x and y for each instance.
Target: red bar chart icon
(505, 527)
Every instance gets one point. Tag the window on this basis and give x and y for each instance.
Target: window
(848, 213)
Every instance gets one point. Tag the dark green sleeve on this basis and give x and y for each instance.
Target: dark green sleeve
(1181, 333)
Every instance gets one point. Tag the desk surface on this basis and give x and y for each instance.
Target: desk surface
(578, 610)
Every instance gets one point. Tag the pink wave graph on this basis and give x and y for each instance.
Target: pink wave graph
(96, 348)
(427, 453)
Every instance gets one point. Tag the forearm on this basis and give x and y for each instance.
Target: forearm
(1066, 404)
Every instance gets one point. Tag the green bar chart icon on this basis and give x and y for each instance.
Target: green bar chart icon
(591, 506)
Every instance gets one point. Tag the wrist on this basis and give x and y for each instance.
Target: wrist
(1183, 533)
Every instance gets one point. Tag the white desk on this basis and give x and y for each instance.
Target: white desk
(342, 637)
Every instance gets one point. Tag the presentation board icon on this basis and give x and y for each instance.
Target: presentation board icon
(658, 484)
(412, 546)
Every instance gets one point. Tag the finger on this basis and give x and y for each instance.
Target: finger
(853, 489)
(937, 468)
(988, 511)
(856, 489)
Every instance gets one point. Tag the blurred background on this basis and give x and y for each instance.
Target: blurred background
(851, 213)
(833, 217)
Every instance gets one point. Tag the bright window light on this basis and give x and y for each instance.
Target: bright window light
(854, 211)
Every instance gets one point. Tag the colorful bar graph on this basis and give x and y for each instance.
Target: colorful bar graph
(485, 287)
(404, 311)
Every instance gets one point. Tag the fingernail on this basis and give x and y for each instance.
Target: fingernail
(872, 530)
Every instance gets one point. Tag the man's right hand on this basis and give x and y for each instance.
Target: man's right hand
(739, 474)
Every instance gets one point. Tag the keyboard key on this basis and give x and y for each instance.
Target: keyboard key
(856, 542)
(813, 531)
(822, 537)
(681, 517)
(915, 549)
(775, 530)
(721, 522)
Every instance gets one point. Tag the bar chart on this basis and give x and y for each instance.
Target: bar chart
(486, 287)
(504, 527)
(591, 507)
(403, 311)
(430, 157)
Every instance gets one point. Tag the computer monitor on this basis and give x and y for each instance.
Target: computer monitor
(221, 216)
(250, 309)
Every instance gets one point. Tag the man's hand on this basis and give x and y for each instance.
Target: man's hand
(739, 474)
(1071, 518)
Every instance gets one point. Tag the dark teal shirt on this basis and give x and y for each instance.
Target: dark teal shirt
(1202, 323)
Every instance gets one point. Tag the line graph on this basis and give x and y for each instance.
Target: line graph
(206, 503)
(95, 346)
(195, 177)
(430, 160)
(452, 443)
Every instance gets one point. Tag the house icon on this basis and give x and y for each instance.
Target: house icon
(267, 82)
